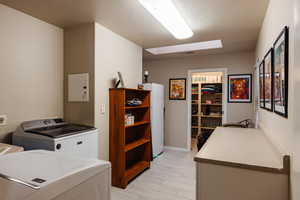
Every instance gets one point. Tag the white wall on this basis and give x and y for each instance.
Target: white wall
(296, 91)
(31, 69)
(176, 111)
(284, 133)
(113, 53)
(279, 14)
(79, 53)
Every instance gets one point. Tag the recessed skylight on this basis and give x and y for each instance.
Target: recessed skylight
(167, 14)
(213, 44)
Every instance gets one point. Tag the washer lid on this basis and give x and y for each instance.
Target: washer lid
(61, 130)
(40, 168)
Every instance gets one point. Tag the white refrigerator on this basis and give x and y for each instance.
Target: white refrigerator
(157, 116)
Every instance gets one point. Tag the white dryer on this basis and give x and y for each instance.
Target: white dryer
(48, 175)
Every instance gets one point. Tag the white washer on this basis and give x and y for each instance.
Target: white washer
(46, 175)
(58, 135)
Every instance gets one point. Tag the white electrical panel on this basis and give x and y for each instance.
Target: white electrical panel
(78, 87)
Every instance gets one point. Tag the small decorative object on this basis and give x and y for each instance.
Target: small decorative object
(268, 90)
(177, 89)
(280, 75)
(240, 88)
(140, 86)
(120, 81)
(262, 84)
(146, 75)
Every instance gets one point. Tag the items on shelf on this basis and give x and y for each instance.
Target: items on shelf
(208, 101)
(215, 114)
(203, 78)
(195, 109)
(211, 88)
(129, 119)
(195, 121)
(195, 89)
(134, 102)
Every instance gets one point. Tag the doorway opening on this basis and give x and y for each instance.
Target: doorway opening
(207, 105)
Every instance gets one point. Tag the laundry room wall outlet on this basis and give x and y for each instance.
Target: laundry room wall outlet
(102, 108)
(3, 120)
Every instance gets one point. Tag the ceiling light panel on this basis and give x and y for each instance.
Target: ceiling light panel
(213, 44)
(167, 14)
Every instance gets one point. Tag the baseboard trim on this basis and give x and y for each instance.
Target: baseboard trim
(176, 148)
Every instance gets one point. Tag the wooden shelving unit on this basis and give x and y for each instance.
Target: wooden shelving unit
(211, 121)
(130, 148)
(196, 91)
(206, 110)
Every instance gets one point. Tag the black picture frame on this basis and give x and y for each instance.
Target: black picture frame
(280, 87)
(262, 84)
(268, 80)
(250, 87)
(172, 96)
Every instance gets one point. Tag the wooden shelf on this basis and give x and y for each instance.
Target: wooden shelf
(212, 94)
(136, 107)
(209, 128)
(136, 144)
(138, 124)
(136, 169)
(211, 116)
(210, 83)
(129, 89)
(213, 104)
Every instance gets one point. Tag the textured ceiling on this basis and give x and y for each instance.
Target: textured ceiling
(236, 22)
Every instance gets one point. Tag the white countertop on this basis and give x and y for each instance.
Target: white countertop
(248, 147)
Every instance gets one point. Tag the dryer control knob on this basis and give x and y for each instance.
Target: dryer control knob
(58, 146)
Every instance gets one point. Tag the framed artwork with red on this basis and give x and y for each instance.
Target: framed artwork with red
(240, 88)
(268, 80)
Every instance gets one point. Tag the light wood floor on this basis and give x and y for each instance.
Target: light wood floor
(171, 177)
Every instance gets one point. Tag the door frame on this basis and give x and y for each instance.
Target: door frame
(189, 99)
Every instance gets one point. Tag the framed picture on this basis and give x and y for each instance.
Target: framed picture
(281, 62)
(177, 89)
(262, 85)
(268, 80)
(240, 88)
